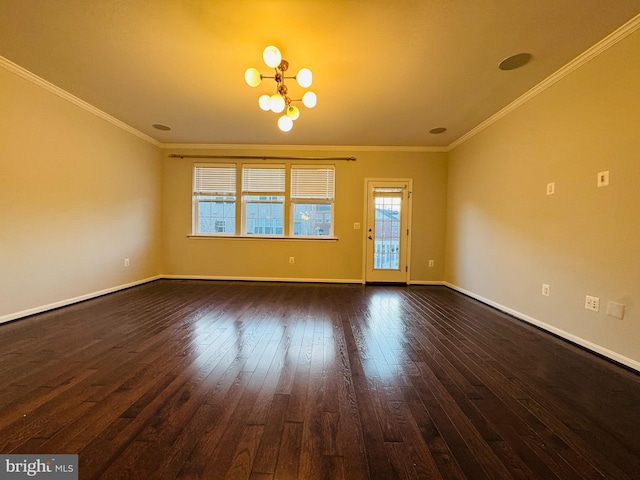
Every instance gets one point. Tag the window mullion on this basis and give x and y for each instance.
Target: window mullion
(239, 206)
(287, 203)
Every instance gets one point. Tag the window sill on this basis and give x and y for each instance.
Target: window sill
(262, 237)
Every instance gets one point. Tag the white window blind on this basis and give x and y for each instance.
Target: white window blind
(312, 182)
(263, 178)
(214, 180)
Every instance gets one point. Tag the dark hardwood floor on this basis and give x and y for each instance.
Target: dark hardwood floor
(197, 379)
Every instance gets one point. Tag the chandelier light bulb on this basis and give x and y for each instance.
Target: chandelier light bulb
(304, 77)
(309, 99)
(272, 56)
(293, 112)
(264, 102)
(276, 103)
(252, 77)
(285, 123)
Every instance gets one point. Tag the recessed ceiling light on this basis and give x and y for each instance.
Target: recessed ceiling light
(438, 130)
(515, 61)
(159, 126)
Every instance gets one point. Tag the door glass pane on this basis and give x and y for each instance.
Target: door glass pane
(386, 240)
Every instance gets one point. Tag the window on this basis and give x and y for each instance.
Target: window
(268, 206)
(312, 195)
(263, 199)
(214, 199)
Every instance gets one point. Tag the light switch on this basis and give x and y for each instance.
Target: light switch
(603, 178)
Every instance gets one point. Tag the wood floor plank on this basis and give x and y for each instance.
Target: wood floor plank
(379, 464)
(267, 454)
(432, 439)
(245, 453)
(288, 462)
(236, 402)
(187, 379)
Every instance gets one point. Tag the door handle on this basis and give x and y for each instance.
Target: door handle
(369, 237)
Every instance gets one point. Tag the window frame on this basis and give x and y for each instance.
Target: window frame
(315, 187)
(263, 186)
(244, 196)
(216, 190)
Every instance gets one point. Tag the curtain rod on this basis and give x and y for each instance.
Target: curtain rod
(262, 157)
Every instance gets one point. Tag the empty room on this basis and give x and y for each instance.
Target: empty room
(319, 239)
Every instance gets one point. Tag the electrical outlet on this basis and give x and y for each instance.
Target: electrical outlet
(545, 289)
(592, 303)
(551, 188)
(431, 263)
(126, 262)
(356, 226)
(292, 259)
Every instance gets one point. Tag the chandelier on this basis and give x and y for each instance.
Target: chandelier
(280, 101)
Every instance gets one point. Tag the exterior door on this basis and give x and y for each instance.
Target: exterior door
(387, 231)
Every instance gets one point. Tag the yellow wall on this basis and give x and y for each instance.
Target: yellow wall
(314, 260)
(505, 236)
(77, 196)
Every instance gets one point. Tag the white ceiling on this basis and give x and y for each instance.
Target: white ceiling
(385, 72)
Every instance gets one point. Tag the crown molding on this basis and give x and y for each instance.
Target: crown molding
(607, 42)
(33, 78)
(332, 148)
(604, 44)
(41, 82)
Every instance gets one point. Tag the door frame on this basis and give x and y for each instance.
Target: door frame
(409, 208)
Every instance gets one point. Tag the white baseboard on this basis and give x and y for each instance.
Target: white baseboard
(594, 347)
(289, 279)
(264, 279)
(70, 301)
